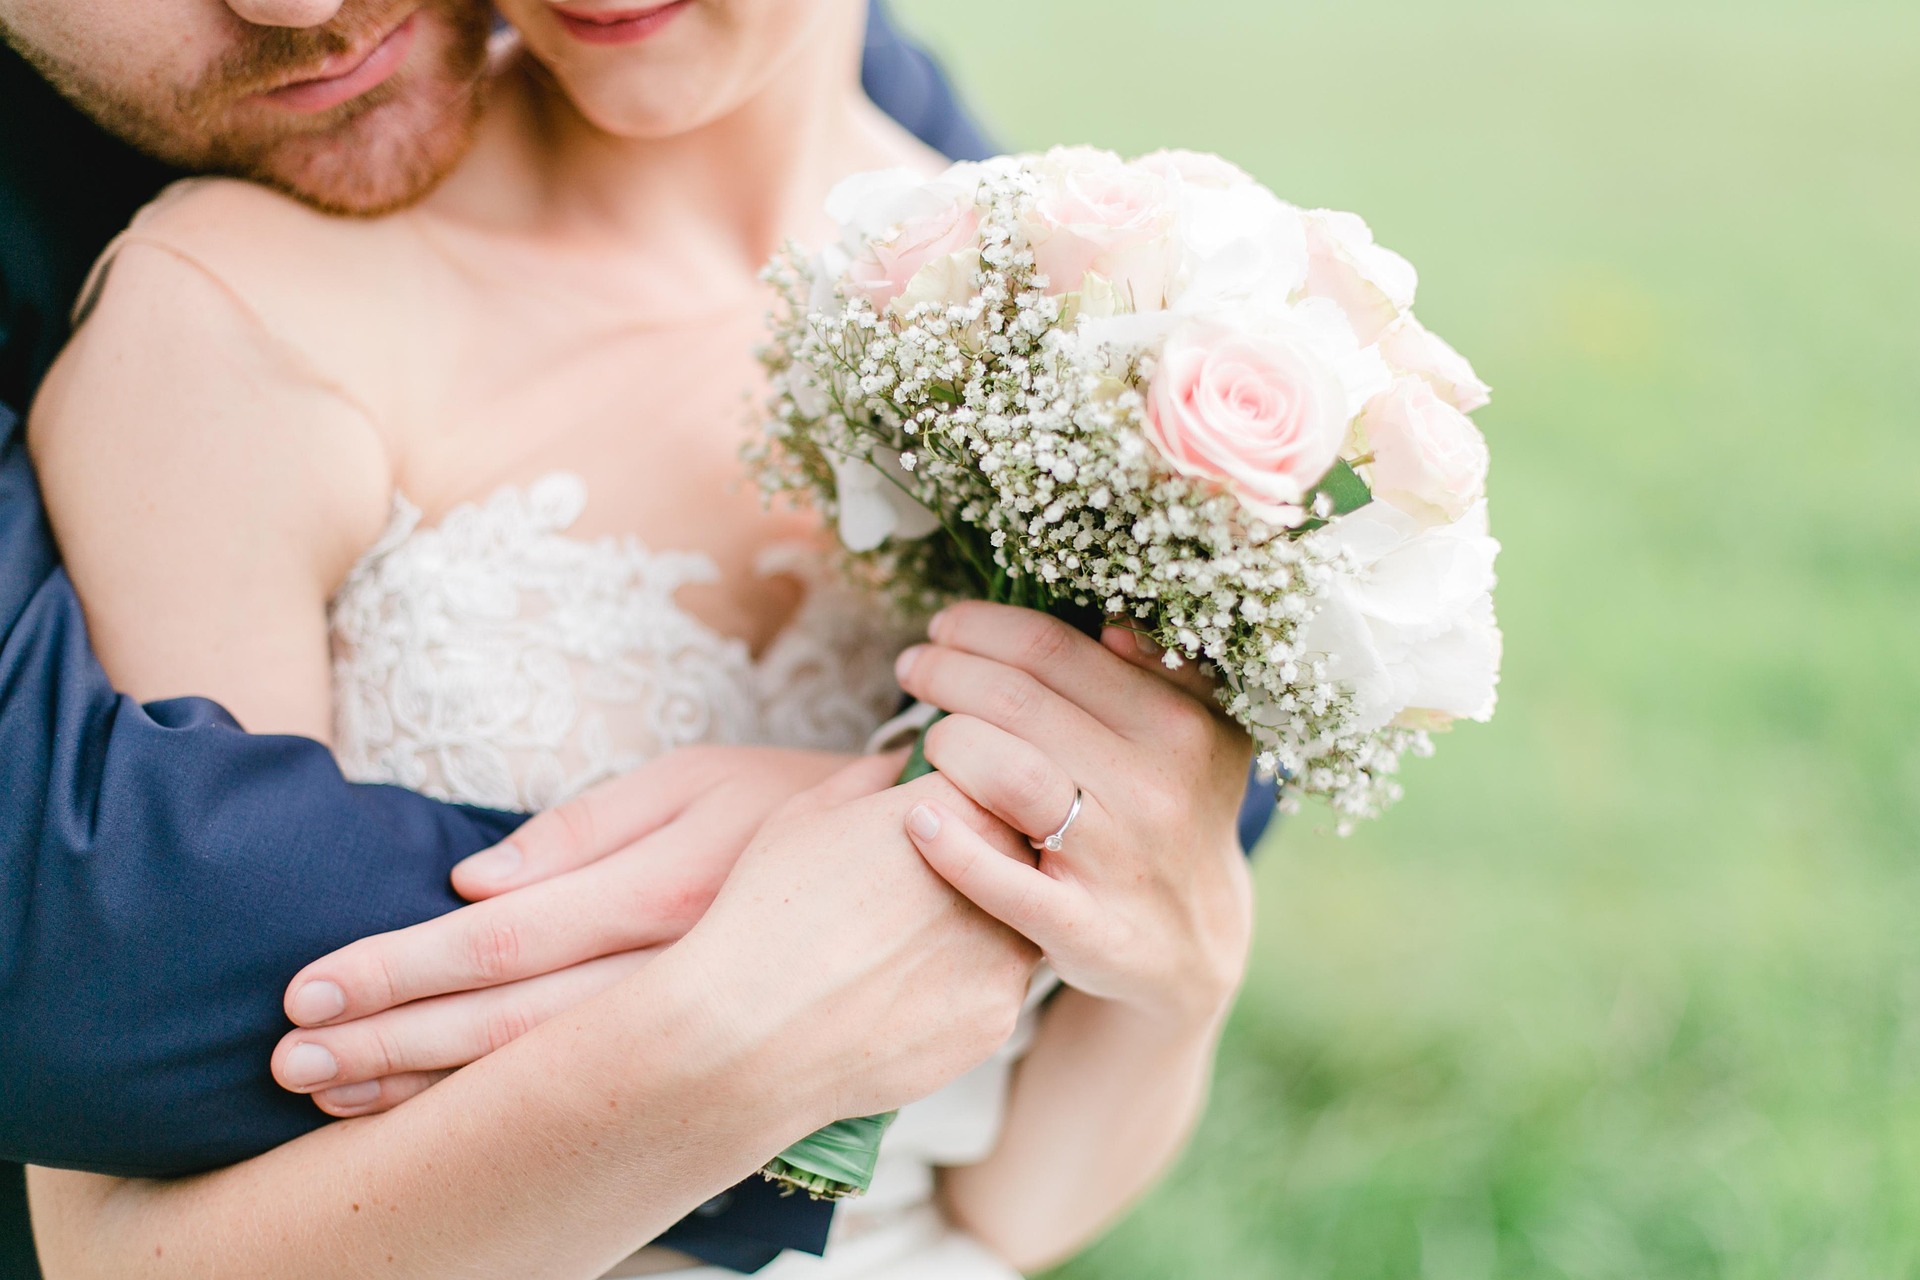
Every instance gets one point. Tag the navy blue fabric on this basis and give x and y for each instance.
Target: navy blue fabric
(1256, 812)
(909, 86)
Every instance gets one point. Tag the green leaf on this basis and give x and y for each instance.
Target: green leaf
(944, 394)
(1344, 486)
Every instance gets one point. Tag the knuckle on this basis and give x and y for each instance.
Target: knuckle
(577, 824)
(382, 979)
(381, 1053)
(1044, 642)
(505, 1025)
(493, 949)
(1012, 699)
(1028, 788)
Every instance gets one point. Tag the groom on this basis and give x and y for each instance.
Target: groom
(161, 873)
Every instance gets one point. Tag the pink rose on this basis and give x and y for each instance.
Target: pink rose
(1429, 459)
(1373, 285)
(1260, 413)
(1410, 348)
(1095, 213)
(887, 265)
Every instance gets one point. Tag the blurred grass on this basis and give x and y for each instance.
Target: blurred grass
(1629, 985)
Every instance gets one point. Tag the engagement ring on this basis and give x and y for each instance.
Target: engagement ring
(1052, 843)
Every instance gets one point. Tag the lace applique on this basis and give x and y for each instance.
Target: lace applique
(491, 659)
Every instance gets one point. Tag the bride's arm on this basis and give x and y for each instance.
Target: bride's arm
(556, 1156)
(208, 490)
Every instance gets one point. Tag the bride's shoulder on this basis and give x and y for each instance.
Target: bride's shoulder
(278, 256)
(226, 271)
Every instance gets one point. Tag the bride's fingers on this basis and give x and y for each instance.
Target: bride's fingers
(1033, 904)
(1005, 775)
(441, 1033)
(964, 683)
(1138, 649)
(1122, 694)
(370, 1097)
(599, 821)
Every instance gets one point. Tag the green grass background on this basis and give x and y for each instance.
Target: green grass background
(1629, 985)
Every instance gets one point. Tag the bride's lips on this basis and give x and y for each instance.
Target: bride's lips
(346, 77)
(616, 26)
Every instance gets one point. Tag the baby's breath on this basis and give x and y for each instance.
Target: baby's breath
(1031, 450)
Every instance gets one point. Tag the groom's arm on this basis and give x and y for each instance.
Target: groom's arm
(162, 874)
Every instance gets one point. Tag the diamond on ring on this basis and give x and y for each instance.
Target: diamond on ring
(1053, 842)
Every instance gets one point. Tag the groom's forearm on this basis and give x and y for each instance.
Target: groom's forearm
(556, 1156)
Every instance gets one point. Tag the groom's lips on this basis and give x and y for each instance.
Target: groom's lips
(622, 26)
(346, 77)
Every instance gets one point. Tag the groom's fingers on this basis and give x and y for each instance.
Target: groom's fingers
(651, 894)
(371, 1097)
(595, 823)
(435, 1035)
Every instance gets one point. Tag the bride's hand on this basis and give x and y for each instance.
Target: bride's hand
(569, 904)
(1147, 901)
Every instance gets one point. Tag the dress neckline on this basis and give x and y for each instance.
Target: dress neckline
(547, 506)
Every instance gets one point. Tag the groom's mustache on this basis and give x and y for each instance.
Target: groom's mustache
(268, 58)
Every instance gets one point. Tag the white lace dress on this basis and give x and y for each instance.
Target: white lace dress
(494, 660)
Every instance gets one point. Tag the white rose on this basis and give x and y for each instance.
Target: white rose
(1410, 348)
(1244, 247)
(874, 501)
(1373, 284)
(1428, 457)
(1410, 629)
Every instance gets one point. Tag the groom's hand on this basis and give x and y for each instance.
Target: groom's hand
(575, 900)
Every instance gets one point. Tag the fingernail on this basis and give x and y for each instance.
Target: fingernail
(346, 1096)
(923, 822)
(933, 623)
(903, 664)
(309, 1064)
(316, 1002)
(1144, 643)
(496, 863)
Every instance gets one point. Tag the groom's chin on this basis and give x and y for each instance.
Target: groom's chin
(390, 154)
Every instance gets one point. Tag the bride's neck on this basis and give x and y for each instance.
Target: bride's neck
(735, 187)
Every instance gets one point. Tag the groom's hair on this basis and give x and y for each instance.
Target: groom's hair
(380, 151)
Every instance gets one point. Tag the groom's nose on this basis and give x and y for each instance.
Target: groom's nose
(285, 13)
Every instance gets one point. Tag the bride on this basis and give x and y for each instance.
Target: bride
(455, 491)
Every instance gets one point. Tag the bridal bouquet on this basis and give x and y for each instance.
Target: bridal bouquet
(1155, 392)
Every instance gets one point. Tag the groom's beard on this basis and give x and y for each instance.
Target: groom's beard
(382, 150)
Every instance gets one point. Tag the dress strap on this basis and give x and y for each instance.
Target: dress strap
(148, 230)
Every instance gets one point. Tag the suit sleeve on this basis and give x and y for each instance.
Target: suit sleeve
(162, 876)
(905, 82)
